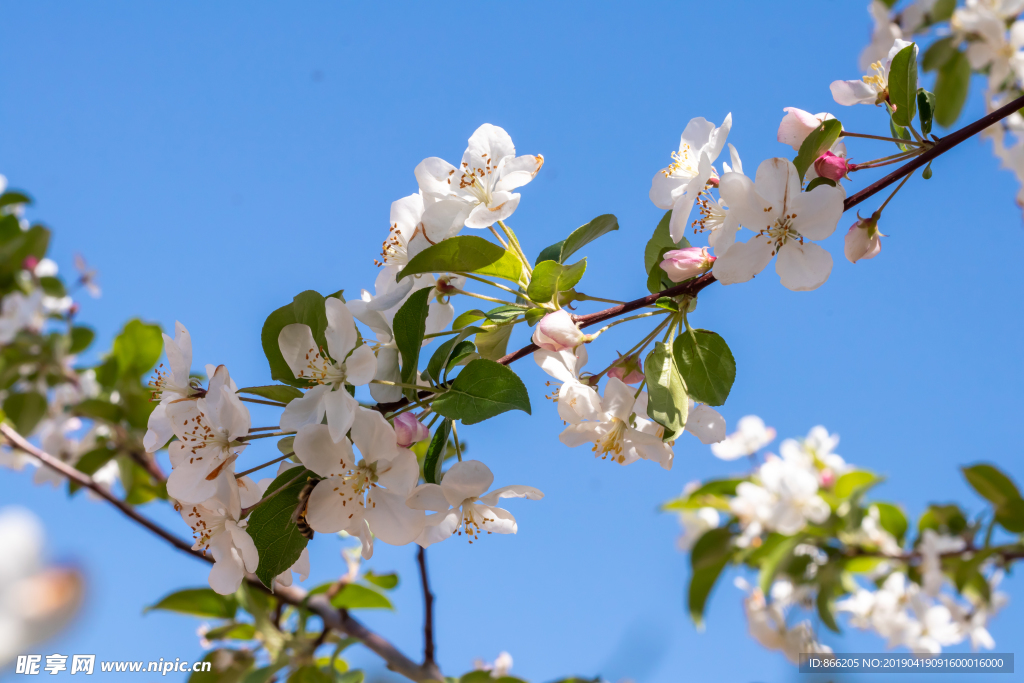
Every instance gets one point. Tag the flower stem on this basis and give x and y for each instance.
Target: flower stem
(239, 475)
(499, 237)
(586, 297)
(848, 134)
(266, 403)
(489, 282)
(385, 382)
(514, 241)
(455, 437)
(253, 437)
(887, 199)
(490, 298)
(626, 320)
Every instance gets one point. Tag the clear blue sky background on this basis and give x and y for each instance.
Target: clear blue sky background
(214, 160)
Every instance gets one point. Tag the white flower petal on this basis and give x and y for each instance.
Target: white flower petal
(466, 479)
(803, 267)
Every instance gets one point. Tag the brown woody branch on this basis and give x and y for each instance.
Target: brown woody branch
(320, 605)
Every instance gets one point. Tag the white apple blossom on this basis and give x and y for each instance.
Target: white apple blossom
(301, 568)
(931, 548)
(767, 622)
(460, 504)
(499, 668)
(479, 192)
(349, 362)
(208, 430)
(618, 427)
(575, 399)
(678, 185)
(20, 312)
(785, 501)
(718, 222)
(871, 89)
(217, 527)
(783, 217)
(885, 32)
(556, 331)
(797, 124)
(364, 495)
(751, 435)
(972, 620)
(695, 522)
(168, 386)
(408, 234)
(995, 47)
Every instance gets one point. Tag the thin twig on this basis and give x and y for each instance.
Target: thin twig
(239, 475)
(428, 608)
(265, 403)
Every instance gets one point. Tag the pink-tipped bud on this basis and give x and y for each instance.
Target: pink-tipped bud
(682, 264)
(797, 124)
(863, 239)
(557, 332)
(627, 369)
(30, 263)
(832, 166)
(827, 477)
(409, 430)
(73, 311)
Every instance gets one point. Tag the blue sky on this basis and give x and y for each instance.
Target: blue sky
(214, 160)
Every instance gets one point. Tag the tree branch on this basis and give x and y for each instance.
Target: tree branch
(428, 608)
(332, 617)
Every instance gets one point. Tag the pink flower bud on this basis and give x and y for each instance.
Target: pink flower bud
(827, 478)
(682, 264)
(862, 240)
(557, 332)
(409, 430)
(833, 167)
(30, 263)
(627, 369)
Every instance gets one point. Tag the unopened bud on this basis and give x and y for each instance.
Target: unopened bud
(409, 430)
(30, 263)
(863, 239)
(832, 166)
(827, 477)
(682, 264)
(557, 332)
(627, 369)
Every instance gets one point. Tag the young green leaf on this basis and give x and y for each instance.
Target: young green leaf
(856, 481)
(355, 596)
(435, 453)
(201, 602)
(925, 109)
(492, 342)
(81, 338)
(137, 348)
(25, 411)
(307, 308)
(892, 520)
(385, 581)
(579, 238)
(775, 559)
(667, 404)
(482, 390)
(938, 53)
(814, 145)
(951, 89)
(706, 364)
(281, 393)
(903, 85)
(549, 278)
(447, 355)
(708, 558)
(276, 536)
(661, 241)
(409, 326)
(991, 484)
(465, 254)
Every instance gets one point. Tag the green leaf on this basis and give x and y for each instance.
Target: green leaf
(1011, 515)
(286, 445)
(309, 674)
(654, 252)
(11, 197)
(550, 278)
(465, 254)
(856, 481)
(24, 411)
(709, 556)
(942, 10)
(579, 238)
(823, 602)
(409, 326)
(667, 404)
(307, 308)
(448, 355)
(951, 87)
(435, 453)
(492, 343)
(901, 133)
(81, 338)
(202, 602)
(814, 145)
(862, 565)
(706, 364)
(276, 536)
(713, 493)
(232, 632)
(98, 409)
(90, 463)
(925, 110)
(892, 520)
(991, 484)
(52, 286)
(137, 348)
(903, 85)
(229, 666)
(939, 53)
(482, 390)
(355, 596)
(385, 581)
(281, 393)
(138, 482)
(775, 559)
(945, 519)
(820, 180)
